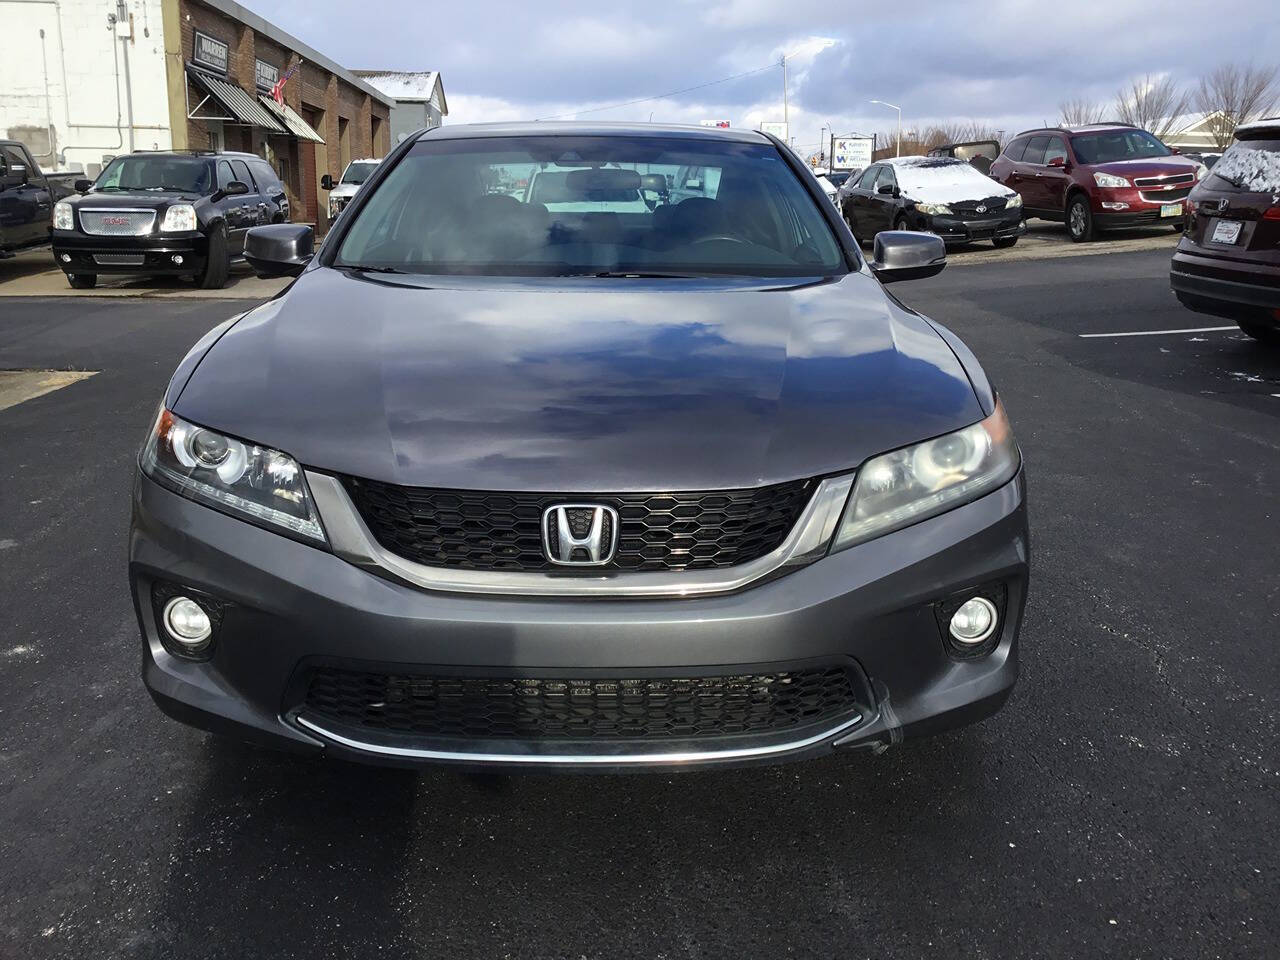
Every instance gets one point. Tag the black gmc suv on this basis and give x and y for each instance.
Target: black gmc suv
(168, 212)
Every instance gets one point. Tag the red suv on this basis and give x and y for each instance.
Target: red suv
(1097, 176)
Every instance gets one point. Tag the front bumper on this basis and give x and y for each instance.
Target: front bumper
(963, 230)
(289, 606)
(1220, 287)
(76, 252)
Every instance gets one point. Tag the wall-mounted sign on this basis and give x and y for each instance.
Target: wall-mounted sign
(209, 52)
(265, 74)
(851, 153)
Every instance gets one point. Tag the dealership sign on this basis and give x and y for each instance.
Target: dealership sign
(851, 153)
(209, 52)
(777, 128)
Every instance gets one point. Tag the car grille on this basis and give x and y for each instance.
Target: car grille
(969, 208)
(117, 223)
(1158, 181)
(1165, 196)
(627, 708)
(503, 531)
(118, 259)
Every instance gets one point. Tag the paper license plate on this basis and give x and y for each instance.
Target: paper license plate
(1170, 209)
(1226, 231)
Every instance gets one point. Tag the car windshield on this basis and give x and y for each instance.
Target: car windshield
(157, 173)
(358, 172)
(548, 206)
(1250, 165)
(837, 177)
(1116, 145)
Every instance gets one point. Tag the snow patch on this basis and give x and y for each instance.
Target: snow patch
(944, 180)
(1255, 170)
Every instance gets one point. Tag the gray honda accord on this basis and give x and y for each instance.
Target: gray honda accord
(588, 447)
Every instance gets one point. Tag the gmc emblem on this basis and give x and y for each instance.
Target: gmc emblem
(115, 221)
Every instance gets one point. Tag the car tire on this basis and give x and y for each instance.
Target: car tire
(900, 223)
(82, 281)
(1003, 243)
(1079, 219)
(218, 264)
(1267, 335)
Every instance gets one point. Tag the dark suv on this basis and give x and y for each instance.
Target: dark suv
(586, 483)
(166, 212)
(1228, 264)
(1097, 176)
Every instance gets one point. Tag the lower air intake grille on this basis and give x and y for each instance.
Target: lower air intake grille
(475, 530)
(539, 709)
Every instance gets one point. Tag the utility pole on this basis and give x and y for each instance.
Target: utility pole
(892, 106)
(786, 120)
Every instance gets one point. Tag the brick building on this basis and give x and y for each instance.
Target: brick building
(221, 63)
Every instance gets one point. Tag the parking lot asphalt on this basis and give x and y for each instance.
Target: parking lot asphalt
(1124, 804)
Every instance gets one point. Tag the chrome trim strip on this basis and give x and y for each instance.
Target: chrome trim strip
(686, 756)
(351, 540)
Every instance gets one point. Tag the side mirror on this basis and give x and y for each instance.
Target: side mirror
(82, 185)
(904, 255)
(887, 189)
(326, 182)
(1057, 162)
(236, 188)
(1175, 151)
(279, 249)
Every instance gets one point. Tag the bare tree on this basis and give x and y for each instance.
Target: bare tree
(1232, 95)
(958, 131)
(1081, 110)
(1153, 103)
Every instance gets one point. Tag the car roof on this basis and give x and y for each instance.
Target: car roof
(464, 131)
(234, 154)
(1259, 128)
(1080, 128)
(918, 161)
(364, 160)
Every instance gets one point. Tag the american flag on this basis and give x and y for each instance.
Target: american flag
(277, 91)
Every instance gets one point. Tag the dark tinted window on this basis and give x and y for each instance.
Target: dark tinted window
(1014, 150)
(264, 175)
(1057, 148)
(458, 207)
(869, 178)
(1112, 145)
(1035, 150)
(1250, 165)
(886, 177)
(225, 174)
(241, 170)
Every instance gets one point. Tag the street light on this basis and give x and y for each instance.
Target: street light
(894, 106)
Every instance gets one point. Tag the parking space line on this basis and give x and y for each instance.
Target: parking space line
(1156, 333)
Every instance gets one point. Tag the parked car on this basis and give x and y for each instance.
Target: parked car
(494, 485)
(941, 195)
(837, 178)
(979, 154)
(166, 212)
(1228, 262)
(1208, 159)
(352, 178)
(1097, 177)
(27, 197)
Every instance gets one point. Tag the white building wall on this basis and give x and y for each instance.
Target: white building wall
(72, 81)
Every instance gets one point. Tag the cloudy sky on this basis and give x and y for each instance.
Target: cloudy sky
(1002, 61)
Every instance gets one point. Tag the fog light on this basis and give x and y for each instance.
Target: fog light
(975, 621)
(1114, 205)
(66, 258)
(177, 259)
(187, 623)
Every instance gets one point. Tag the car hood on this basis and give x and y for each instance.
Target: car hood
(344, 190)
(1148, 167)
(141, 199)
(953, 185)
(580, 385)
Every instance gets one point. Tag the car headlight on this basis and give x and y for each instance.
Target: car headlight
(1108, 180)
(255, 483)
(1201, 172)
(179, 218)
(933, 208)
(1013, 202)
(333, 207)
(906, 486)
(62, 218)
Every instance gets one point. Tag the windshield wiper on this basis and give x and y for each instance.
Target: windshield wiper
(367, 268)
(640, 274)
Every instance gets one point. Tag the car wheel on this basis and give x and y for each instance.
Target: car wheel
(218, 264)
(82, 281)
(1004, 242)
(901, 223)
(1079, 219)
(1267, 335)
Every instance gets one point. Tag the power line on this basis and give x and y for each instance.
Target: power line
(661, 96)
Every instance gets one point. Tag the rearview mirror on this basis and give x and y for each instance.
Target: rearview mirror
(326, 182)
(904, 255)
(82, 186)
(279, 249)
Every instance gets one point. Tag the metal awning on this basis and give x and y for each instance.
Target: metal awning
(242, 107)
(289, 117)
